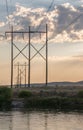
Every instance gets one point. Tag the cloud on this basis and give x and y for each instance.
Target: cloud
(65, 22)
(2, 24)
(69, 6)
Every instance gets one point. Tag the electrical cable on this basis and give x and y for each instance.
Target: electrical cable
(70, 24)
(51, 4)
(7, 11)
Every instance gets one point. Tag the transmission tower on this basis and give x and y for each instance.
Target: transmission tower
(21, 72)
(29, 58)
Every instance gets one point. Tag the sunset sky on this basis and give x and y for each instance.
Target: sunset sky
(65, 37)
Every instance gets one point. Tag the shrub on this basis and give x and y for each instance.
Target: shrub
(24, 94)
(80, 94)
(5, 97)
(5, 93)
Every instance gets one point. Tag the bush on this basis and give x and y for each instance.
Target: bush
(5, 93)
(80, 94)
(24, 94)
(5, 97)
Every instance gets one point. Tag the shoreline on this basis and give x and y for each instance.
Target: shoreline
(61, 98)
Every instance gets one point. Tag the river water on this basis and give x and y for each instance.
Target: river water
(40, 120)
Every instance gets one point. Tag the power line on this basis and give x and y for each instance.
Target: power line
(7, 11)
(52, 2)
(48, 9)
(71, 23)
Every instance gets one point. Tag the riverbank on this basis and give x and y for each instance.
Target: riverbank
(59, 103)
(42, 98)
(50, 97)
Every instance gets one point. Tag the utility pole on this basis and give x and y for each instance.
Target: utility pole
(46, 54)
(29, 59)
(20, 78)
(11, 56)
(25, 73)
(18, 75)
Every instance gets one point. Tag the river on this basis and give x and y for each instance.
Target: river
(41, 120)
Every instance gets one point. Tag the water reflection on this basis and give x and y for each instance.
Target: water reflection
(10, 123)
(28, 120)
(5, 121)
(34, 120)
(46, 120)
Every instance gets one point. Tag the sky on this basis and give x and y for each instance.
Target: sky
(65, 38)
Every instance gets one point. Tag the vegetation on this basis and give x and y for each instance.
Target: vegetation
(55, 103)
(5, 98)
(24, 94)
(39, 100)
(45, 101)
(80, 94)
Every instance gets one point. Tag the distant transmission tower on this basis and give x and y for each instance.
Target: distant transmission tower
(29, 58)
(21, 73)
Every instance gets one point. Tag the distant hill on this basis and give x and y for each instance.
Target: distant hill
(80, 82)
(64, 83)
(67, 83)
